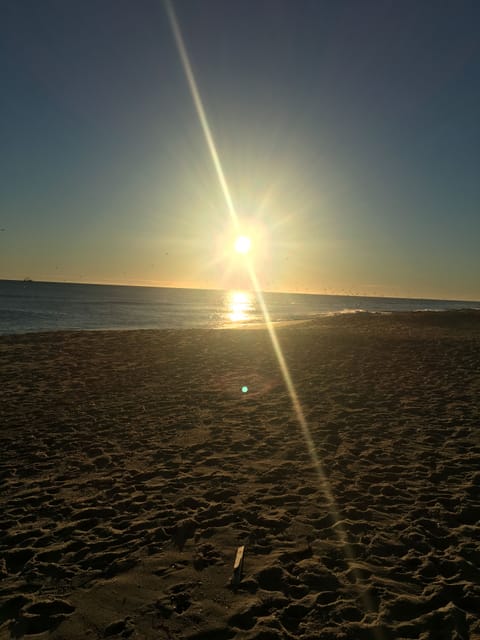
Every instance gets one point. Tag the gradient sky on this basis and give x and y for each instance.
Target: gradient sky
(349, 134)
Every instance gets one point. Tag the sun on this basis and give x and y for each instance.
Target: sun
(243, 244)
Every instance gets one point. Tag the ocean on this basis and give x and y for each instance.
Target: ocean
(50, 306)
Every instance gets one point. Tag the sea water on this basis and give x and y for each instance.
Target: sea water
(50, 306)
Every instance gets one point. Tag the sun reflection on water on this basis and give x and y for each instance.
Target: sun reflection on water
(240, 306)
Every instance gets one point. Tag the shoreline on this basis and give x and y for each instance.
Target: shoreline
(133, 467)
(465, 315)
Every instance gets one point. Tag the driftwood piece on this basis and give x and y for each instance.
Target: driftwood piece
(238, 565)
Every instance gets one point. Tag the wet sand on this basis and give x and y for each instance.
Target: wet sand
(132, 466)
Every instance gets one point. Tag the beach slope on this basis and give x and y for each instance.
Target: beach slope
(133, 465)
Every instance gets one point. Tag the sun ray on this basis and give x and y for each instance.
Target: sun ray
(197, 100)
(310, 444)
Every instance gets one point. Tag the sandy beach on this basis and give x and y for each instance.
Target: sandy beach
(133, 467)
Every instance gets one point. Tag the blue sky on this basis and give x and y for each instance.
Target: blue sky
(348, 133)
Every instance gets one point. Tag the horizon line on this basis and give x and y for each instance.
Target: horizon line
(197, 288)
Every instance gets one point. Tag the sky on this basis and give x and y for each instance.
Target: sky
(348, 133)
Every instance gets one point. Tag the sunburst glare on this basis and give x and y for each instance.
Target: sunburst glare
(243, 244)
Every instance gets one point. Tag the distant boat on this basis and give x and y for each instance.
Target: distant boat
(27, 280)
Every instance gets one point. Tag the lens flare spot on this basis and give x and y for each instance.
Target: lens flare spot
(244, 389)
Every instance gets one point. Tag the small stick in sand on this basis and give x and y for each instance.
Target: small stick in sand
(238, 565)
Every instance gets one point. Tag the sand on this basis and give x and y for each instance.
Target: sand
(133, 466)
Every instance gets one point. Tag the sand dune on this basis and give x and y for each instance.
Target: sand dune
(133, 466)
